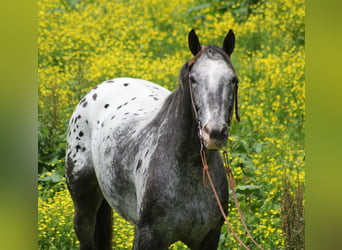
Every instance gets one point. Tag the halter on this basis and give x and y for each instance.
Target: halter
(225, 156)
(195, 111)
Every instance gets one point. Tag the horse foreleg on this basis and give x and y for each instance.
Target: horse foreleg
(211, 240)
(147, 238)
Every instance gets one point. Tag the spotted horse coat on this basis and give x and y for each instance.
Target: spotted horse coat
(133, 146)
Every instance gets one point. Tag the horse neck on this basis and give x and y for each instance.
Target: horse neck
(182, 129)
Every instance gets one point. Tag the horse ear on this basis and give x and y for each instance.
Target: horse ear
(229, 42)
(194, 44)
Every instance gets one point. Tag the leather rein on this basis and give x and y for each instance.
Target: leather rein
(206, 172)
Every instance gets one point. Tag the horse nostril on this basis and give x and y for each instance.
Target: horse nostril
(211, 131)
(206, 129)
(220, 132)
(224, 131)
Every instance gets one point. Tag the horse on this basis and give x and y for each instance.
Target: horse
(133, 146)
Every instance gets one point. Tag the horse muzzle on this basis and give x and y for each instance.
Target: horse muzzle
(214, 137)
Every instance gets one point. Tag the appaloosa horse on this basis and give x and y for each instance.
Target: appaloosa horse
(134, 146)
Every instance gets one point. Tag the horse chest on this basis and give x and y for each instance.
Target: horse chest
(181, 204)
(199, 208)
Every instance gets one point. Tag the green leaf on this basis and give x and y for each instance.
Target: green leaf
(248, 187)
(258, 147)
(53, 178)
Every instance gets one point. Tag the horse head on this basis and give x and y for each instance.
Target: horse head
(213, 89)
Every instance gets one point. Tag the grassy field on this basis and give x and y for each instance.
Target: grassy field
(82, 43)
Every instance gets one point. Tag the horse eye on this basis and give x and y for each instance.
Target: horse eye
(193, 80)
(235, 80)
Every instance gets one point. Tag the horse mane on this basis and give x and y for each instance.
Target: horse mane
(182, 72)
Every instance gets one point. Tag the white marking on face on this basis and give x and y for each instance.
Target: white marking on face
(213, 90)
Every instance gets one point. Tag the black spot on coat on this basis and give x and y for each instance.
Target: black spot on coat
(139, 164)
(94, 96)
(82, 101)
(147, 152)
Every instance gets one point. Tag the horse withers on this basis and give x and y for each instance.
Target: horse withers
(133, 146)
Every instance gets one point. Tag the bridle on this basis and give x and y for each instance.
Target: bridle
(195, 111)
(225, 156)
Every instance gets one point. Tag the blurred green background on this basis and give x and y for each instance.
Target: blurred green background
(323, 124)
